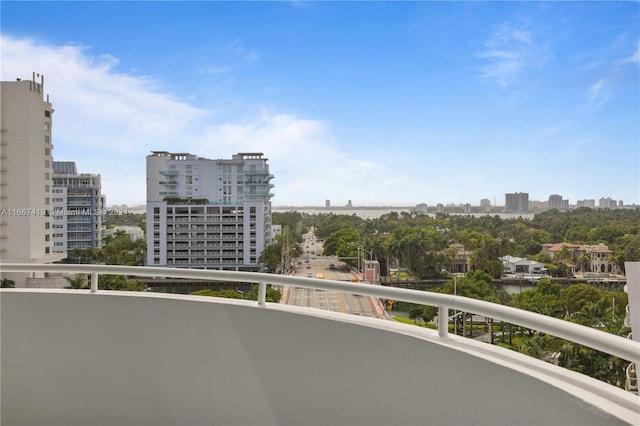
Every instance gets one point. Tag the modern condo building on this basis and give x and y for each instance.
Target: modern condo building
(78, 210)
(209, 214)
(25, 177)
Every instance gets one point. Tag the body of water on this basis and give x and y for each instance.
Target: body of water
(376, 212)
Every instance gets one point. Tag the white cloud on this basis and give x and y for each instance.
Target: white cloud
(508, 52)
(598, 94)
(108, 121)
(635, 57)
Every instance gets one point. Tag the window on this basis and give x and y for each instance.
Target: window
(46, 250)
(47, 139)
(47, 201)
(46, 126)
(47, 225)
(47, 113)
(47, 176)
(46, 237)
(47, 151)
(47, 164)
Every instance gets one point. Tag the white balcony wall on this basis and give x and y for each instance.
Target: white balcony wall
(71, 357)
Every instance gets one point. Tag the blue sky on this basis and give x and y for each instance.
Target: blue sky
(380, 103)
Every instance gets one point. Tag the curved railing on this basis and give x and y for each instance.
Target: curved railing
(605, 342)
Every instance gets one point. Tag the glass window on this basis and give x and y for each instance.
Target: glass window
(46, 127)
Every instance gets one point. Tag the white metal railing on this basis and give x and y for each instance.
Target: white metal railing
(614, 345)
(631, 379)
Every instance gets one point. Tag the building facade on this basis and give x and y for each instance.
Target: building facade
(26, 169)
(607, 203)
(557, 202)
(517, 202)
(584, 258)
(209, 214)
(586, 203)
(78, 213)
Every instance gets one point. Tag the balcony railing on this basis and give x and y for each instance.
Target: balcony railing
(596, 339)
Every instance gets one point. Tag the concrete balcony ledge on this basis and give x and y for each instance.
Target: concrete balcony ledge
(121, 358)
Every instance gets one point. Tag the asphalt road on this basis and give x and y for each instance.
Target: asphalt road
(319, 266)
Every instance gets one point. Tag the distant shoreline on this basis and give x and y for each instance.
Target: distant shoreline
(344, 208)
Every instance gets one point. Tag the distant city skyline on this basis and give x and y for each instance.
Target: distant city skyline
(380, 103)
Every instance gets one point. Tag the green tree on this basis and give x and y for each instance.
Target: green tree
(119, 282)
(543, 300)
(271, 256)
(576, 296)
(77, 281)
(272, 295)
(536, 346)
(7, 283)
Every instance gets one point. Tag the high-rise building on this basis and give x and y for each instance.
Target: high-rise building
(607, 203)
(518, 202)
(586, 203)
(485, 205)
(557, 202)
(78, 212)
(209, 214)
(25, 177)
(422, 208)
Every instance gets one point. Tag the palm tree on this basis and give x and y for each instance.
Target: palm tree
(584, 262)
(76, 281)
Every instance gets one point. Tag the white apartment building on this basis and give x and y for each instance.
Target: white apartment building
(78, 213)
(25, 177)
(209, 214)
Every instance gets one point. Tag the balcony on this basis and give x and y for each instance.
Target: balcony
(156, 359)
(257, 172)
(169, 172)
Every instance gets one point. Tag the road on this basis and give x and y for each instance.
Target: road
(320, 266)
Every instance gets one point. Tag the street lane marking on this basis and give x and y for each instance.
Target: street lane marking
(340, 302)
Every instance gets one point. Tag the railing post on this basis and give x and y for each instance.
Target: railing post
(443, 321)
(262, 292)
(94, 282)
